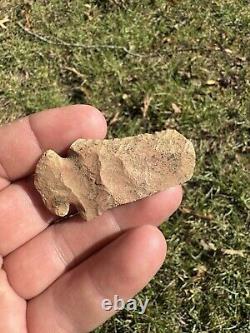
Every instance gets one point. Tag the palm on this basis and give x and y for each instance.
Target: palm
(54, 276)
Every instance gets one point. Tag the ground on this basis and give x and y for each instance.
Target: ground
(151, 65)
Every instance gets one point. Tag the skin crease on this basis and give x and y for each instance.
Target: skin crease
(62, 271)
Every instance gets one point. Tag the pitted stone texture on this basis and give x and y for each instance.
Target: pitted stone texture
(100, 174)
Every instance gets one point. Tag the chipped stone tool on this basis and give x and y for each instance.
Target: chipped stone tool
(100, 174)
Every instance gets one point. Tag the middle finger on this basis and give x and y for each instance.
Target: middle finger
(38, 263)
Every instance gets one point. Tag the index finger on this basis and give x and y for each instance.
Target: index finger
(24, 140)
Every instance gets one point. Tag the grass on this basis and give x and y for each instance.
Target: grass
(194, 54)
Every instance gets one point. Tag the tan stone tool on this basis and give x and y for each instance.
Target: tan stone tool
(100, 174)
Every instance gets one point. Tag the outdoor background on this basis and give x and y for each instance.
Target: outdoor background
(166, 64)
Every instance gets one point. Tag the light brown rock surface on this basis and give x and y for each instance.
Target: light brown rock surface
(100, 174)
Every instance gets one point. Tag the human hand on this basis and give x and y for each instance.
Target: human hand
(55, 276)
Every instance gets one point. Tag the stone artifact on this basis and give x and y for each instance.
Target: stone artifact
(100, 174)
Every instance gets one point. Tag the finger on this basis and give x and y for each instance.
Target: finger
(23, 141)
(74, 303)
(37, 264)
(12, 307)
(55, 129)
(28, 219)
